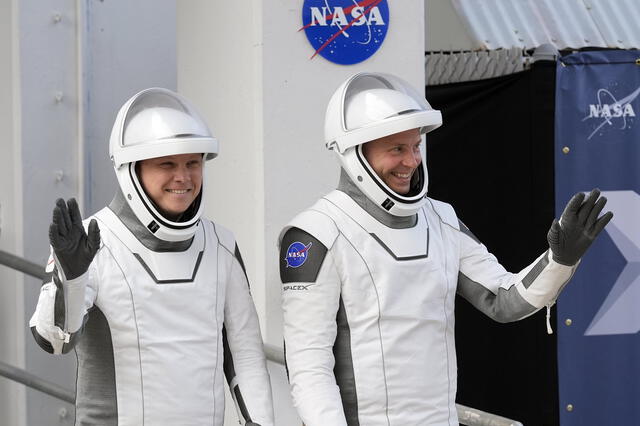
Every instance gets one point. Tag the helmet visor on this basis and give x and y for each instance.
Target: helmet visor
(371, 98)
(158, 115)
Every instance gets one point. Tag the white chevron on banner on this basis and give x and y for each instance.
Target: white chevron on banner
(620, 313)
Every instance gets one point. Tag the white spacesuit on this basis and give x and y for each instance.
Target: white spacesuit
(163, 309)
(370, 276)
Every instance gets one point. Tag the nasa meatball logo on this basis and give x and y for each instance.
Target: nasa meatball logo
(297, 254)
(345, 31)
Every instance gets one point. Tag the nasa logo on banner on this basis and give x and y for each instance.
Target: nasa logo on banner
(611, 108)
(345, 32)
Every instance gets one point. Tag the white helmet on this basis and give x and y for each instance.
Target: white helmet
(370, 106)
(154, 123)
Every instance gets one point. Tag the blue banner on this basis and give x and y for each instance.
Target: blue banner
(597, 145)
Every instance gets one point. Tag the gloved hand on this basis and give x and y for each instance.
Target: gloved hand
(74, 249)
(579, 226)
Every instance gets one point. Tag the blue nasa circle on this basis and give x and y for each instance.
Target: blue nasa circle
(297, 254)
(345, 32)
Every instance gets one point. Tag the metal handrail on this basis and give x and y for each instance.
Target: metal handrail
(35, 382)
(23, 265)
(466, 415)
(474, 417)
(17, 374)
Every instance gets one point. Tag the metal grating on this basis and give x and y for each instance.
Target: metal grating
(565, 24)
(444, 68)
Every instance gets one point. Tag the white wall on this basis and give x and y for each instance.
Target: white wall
(12, 404)
(246, 66)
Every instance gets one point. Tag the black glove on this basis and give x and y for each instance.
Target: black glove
(74, 249)
(580, 226)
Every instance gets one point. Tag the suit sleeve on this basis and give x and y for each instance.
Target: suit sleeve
(502, 295)
(310, 301)
(61, 312)
(244, 362)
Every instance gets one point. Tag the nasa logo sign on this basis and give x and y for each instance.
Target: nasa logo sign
(297, 254)
(609, 110)
(345, 31)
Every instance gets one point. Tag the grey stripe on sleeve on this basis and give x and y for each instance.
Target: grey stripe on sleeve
(241, 262)
(536, 270)
(230, 373)
(506, 306)
(467, 232)
(59, 316)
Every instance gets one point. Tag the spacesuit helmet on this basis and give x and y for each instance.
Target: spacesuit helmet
(369, 106)
(157, 122)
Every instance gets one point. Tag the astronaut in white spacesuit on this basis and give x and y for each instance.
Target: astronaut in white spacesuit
(153, 297)
(370, 271)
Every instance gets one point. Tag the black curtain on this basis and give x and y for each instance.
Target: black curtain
(492, 159)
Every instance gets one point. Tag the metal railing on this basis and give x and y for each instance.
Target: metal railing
(17, 374)
(23, 265)
(466, 415)
(21, 376)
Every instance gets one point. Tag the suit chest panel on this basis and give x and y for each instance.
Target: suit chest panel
(414, 280)
(129, 294)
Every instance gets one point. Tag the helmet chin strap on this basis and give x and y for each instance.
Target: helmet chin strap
(349, 187)
(122, 209)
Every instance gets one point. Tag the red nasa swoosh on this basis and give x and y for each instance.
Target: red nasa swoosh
(305, 249)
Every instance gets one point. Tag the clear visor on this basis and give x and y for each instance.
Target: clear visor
(158, 115)
(372, 98)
